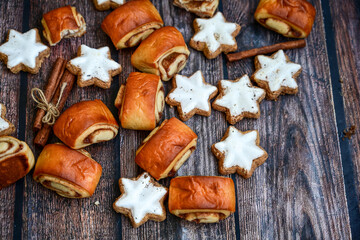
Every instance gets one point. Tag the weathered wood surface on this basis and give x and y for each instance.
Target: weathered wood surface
(298, 193)
(9, 94)
(346, 22)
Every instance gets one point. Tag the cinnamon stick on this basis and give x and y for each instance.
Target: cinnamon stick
(68, 79)
(52, 85)
(265, 50)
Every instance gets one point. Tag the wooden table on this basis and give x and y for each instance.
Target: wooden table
(309, 186)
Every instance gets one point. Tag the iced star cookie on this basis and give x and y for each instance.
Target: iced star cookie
(276, 74)
(23, 51)
(214, 35)
(94, 67)
(238, 99)
(191, 95)
(239, 152)
(6, 127)
(103, 5)
(141, 199)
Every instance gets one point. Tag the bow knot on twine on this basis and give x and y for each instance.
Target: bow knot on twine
(51, 110)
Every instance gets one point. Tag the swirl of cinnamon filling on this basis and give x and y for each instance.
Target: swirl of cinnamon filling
(16, 160)
(70, 173)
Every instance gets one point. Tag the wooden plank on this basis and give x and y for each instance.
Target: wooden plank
(9, 95)
(200, 163)
(299, 191)
(45, 214)
(346, 21)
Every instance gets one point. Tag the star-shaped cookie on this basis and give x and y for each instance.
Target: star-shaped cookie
(23, 51)
(214, 35)
(6, 127)
(94, 67)
(191, 95)
(276, 74)
(239, 152)
(141, 199)
(238, 99)
(103, 5)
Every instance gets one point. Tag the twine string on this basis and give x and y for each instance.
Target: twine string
(51, 112)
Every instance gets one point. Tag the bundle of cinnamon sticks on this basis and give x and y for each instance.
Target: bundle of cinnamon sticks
(59, 78)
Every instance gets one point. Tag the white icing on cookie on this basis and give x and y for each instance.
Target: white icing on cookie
(239, 149)
(277, 71)
(22, 48)
(3, 124)
(215, 31)
(141, 197)
(192, 92)
(95, 63)
(120, 2)
(239, 96)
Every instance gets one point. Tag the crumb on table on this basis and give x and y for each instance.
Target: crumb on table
(349, 132)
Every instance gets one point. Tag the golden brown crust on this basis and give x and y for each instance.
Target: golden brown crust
(106, 5)
(80, 125)
(164, 148)
(237, 169)
(291, 18)
(11, 128)
(139, 100)
(136, 17)
(200, 8)
(202, 46)
(202, 194)
(22, 67)
(61, 23)
(149, 216)
(16, 160)
(158, 53)
(71, 173)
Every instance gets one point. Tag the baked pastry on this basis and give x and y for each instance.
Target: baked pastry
(23, 51)
(238, 99)
(191, 95)
(239, 152)
(214, 35)
(131, 23)
(6, 127)
(86, 123)
(291, 18)
(141, 199)
(276, 74)
(16, 160)
(64, 22)
(70, 173)
(202, 199)
(94, 67)
(166, 148)
(140, 101)
(103, 5)
(201, 8)
(163, 53)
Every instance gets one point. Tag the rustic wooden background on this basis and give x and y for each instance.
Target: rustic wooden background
(307, 189)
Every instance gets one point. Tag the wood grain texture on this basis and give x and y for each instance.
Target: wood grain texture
(346, 22)
(297, 194)
(47, 214)
(9, 96)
